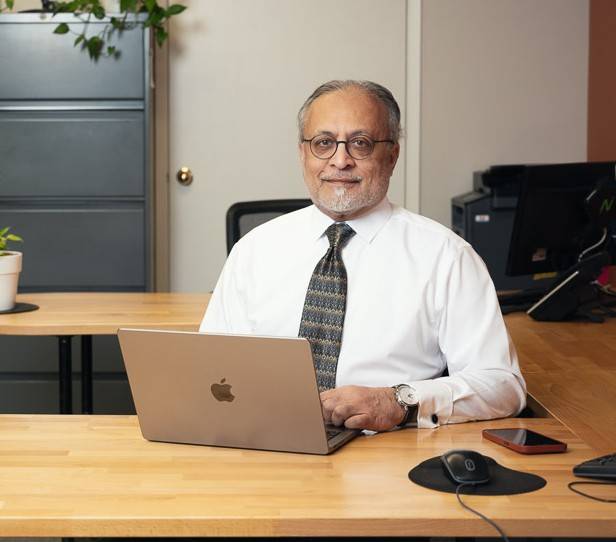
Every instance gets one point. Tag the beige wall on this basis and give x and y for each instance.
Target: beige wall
(502, 81)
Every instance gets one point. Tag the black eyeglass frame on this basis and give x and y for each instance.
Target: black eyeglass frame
(346, 146)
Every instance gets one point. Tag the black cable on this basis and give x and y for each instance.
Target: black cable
(485, 518)
(588, 496)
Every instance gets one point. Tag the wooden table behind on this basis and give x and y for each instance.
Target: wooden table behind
(102, 313)
(65, 314)
(570, 369)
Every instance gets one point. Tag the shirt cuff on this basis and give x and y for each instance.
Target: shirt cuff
(435, 403)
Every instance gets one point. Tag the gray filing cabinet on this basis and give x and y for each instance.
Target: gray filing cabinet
(75, 182)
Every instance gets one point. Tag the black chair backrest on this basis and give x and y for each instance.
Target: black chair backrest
(246, 215)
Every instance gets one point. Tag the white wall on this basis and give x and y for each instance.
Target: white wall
(239, 71)
(502, 81)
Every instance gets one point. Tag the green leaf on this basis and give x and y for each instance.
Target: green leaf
(175, 9)
(111, 50)
(12, 237)
(10, 4)
(79, 39)
(118, 24)
(156, 16)
(94, 46)
(62, 28)
(61, 7)
(128, 5)
(3, 231)
(161, 35)
(150, 4)
(98, 12)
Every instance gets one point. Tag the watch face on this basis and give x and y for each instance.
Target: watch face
(407, 395)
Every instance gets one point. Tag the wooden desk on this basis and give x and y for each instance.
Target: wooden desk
(88, 314)
(72, 476)
(570, 369)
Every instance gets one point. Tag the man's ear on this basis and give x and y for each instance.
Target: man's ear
(301, 149)
(393, 157)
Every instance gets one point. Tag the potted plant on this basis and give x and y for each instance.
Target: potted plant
(10, 267)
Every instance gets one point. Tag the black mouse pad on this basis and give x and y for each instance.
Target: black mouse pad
(503, 481)
(21, 307)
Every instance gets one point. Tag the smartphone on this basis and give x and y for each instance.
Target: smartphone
(524, 441)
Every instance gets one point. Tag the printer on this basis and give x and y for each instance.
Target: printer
(484, 218)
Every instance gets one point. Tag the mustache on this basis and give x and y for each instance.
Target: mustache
(341, 177)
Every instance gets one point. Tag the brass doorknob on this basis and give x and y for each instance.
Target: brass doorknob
(184, 176)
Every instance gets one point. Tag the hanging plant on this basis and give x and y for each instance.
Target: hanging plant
(147, 13)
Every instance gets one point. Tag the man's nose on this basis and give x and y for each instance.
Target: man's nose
(341, 158)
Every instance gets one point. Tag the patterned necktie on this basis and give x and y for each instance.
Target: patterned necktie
(323, 315)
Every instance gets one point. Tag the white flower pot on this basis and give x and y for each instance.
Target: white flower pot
(10, 267)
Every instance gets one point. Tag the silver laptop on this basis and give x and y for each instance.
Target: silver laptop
(227, 390)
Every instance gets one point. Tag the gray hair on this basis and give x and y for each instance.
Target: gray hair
(381, 94)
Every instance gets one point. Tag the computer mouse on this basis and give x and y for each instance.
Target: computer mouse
(466, 467)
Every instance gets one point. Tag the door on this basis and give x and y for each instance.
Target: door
(239, 72)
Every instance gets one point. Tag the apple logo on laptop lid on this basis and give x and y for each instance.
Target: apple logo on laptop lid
(222, 391)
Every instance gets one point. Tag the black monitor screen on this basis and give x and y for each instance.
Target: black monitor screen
(551, 225)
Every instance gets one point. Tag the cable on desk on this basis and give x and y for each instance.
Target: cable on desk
(571, 485)
(485, 518)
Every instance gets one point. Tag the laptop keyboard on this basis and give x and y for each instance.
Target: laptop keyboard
(332, 432)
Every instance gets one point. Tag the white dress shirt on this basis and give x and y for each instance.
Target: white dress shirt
(419, 300)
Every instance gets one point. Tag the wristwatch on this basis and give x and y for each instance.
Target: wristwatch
(407, 399)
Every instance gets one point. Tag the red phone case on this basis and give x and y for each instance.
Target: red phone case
(536, 449)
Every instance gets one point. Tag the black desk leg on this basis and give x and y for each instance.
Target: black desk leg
(66, 375)
(86, 374)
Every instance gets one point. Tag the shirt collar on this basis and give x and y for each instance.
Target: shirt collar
(366, 226)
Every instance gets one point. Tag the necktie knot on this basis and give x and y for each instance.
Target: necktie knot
(339, 234)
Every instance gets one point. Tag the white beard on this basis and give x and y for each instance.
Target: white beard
(345, 202)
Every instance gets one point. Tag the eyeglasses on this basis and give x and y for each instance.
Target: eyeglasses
(360, 147)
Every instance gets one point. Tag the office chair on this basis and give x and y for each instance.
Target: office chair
(246, 215)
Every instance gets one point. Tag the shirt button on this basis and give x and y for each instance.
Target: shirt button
(434, 418)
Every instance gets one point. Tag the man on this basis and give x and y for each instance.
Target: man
(389, 300)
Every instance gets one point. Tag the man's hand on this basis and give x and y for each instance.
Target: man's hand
(359, 407)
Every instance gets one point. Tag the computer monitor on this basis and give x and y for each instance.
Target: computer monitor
(564, 220)
(552, 225)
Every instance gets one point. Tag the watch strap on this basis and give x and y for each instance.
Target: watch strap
(409, 417)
